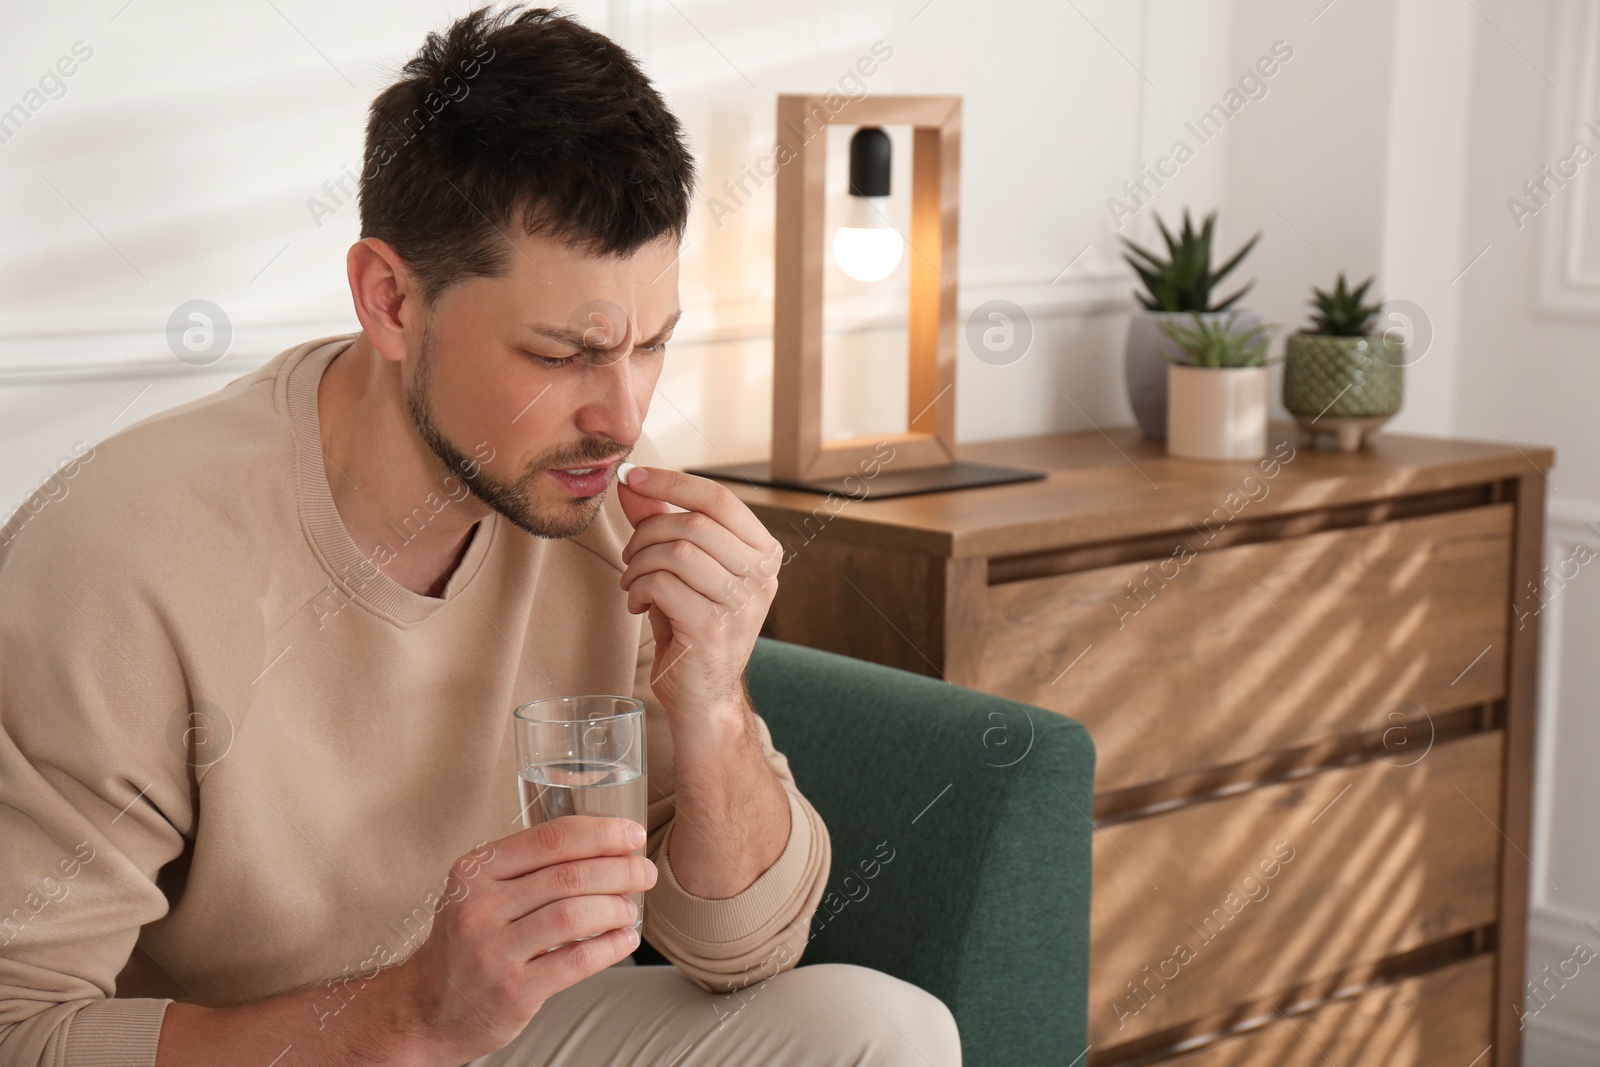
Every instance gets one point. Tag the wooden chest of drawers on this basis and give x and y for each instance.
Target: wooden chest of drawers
(1311, 686)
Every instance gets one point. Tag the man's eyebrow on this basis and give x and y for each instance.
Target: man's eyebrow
(575, 338)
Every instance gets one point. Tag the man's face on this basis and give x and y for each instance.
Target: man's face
(502, 420)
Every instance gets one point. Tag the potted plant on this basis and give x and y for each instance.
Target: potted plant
(1217, 408)
(1177, 286)
(1339, 377)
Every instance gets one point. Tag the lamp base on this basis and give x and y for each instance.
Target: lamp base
(959, 475)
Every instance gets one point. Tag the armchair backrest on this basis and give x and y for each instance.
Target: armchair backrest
(961, 833)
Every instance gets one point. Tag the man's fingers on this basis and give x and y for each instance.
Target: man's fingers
(694, 493)
(581, 959)
(564, 920)
(638, 507)
(719, 543)
(596, 876)
(570, 837)
(695, 568)
(678, 602)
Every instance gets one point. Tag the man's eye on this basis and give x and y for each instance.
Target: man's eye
(547, 361)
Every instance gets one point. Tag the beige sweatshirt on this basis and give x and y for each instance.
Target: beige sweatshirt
(236, 758)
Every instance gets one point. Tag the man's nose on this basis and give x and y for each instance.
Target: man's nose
(614, 409)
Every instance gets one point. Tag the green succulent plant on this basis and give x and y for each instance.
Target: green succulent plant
(1341, 312)
(1218, 343)
(1184, 280)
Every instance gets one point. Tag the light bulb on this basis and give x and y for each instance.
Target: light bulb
(866, 247)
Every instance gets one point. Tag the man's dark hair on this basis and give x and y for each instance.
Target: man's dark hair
(523, 121)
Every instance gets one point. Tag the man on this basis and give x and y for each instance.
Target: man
(257, 787)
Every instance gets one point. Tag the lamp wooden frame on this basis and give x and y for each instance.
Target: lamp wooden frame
(799, 452)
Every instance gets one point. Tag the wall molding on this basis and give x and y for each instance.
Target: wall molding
(1570, 1024)
(1572, 1018)
(80, 348)
(1565, 525)
(1564, 289)
(1540, 1041)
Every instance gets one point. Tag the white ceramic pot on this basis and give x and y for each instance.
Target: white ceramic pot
(1148, 352)
(1217, 412)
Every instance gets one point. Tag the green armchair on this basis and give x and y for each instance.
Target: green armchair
(959, 862)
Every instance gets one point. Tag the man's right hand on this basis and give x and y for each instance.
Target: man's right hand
(475, 983)
(487, 966)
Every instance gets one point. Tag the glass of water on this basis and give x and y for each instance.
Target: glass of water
(583, 755)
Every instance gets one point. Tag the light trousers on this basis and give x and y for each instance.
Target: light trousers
(822, 1015)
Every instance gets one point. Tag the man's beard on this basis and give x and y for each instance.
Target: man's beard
(511, 499)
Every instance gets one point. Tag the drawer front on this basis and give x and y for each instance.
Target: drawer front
(1220, 903)
(1238, 652)
(1440, 1019)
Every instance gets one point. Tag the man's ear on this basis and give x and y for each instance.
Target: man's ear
(384, 294)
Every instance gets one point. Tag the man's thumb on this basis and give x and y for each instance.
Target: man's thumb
(637, 506)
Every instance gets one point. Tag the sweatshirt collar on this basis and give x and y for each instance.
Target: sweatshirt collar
(350, 567)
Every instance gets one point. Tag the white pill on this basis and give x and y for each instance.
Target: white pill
(622, 472)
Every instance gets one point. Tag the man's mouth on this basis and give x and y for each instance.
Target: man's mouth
(585, 481)
(590, 468)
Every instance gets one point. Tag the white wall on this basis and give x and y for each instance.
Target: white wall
(178, 162)
(1394, 149)
(1530, 341)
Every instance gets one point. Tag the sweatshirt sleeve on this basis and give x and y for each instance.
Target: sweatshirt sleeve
(92, 799)
(727, 944)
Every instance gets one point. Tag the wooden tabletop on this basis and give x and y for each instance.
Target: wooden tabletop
(1101, 485)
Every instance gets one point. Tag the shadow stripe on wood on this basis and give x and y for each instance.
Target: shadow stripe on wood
(1216, 905)
(1262, 646)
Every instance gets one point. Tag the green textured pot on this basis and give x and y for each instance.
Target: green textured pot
(1348, 386)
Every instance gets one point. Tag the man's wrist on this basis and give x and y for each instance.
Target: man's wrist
(710, 735)
(399, 1019)
(373, 1024)
(384, 1021)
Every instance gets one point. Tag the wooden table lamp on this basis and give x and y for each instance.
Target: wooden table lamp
(921, 460)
